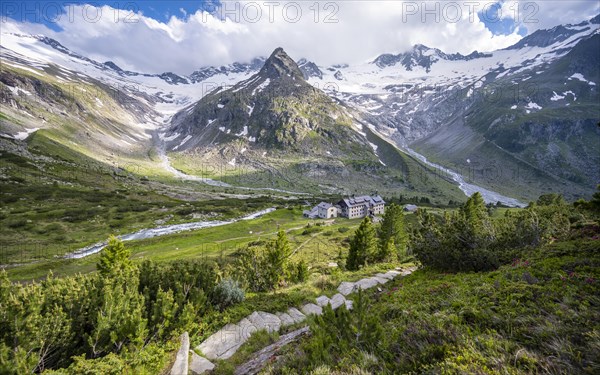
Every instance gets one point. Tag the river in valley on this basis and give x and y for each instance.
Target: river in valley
(163, 231)
(468, 188)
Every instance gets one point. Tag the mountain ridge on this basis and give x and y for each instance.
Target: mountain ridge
(414, 96)
(269, 108)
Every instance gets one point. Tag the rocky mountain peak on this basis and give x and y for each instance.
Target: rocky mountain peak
(113, 66)
(279, 65)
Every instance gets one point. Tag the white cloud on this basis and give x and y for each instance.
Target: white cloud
(338, 32)
(535, 15)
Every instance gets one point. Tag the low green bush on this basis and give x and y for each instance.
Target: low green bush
(227, 293)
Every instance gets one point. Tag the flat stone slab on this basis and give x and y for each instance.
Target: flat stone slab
(181, 360)
(312, 309)
(224, 343)
(366, 283)
(246, 329)
(286, 319)
(200, 365)
(295, 314)
(380, 280)
(257, 321)
(322, 301)
(262, 320)
(337, 301)
(385, 276)
(214, 345)
(272, 320)
(346, 288)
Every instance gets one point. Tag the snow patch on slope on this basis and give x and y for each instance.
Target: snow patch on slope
(244, 132)
(23, 135)
(187, 138)
(532, 105)
(261, 87)
(581, 78)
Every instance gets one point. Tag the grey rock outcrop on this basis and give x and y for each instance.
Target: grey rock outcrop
(337, 301)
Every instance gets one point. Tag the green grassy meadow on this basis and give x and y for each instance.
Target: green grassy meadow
(319, 247)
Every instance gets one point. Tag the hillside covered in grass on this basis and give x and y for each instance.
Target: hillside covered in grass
(515, 293)
(539, 314)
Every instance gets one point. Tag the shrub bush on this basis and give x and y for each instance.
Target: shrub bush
(17, 223)
(470, 241)
(227, 293)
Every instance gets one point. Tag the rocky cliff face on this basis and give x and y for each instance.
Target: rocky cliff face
(275, 108)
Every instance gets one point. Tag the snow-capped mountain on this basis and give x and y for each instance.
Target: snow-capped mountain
(276, 123)
(424, 57)
(517, 120)
(402, 88)
(275, 108)
(458, 110)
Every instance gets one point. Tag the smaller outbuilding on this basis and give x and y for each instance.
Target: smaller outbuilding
(410, 208)
(323, 210)
(327, 210)
(313, 213)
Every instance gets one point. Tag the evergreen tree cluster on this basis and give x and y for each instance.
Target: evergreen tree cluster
(107, 321)
(337, 333)
(268, 268)
(387, 242)
(469, 240)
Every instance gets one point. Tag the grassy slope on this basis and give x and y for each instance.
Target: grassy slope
(316, 248)
(64, 200)
(317, 173)
(538, 315)
(421, 179)
(490, 166)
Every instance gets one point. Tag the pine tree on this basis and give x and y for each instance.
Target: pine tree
(114, 258)
(392, 234)
(362, 246)
(300, 271)
(119, 320)
(474, 209)
(163, 313)
(475, 229)
(551, 199)
(277, 253)
(386, 250)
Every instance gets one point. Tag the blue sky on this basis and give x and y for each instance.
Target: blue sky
(47, 11)
(491, 18)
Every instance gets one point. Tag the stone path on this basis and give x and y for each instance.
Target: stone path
(181, 361)
(199, 364)
(224, 343)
